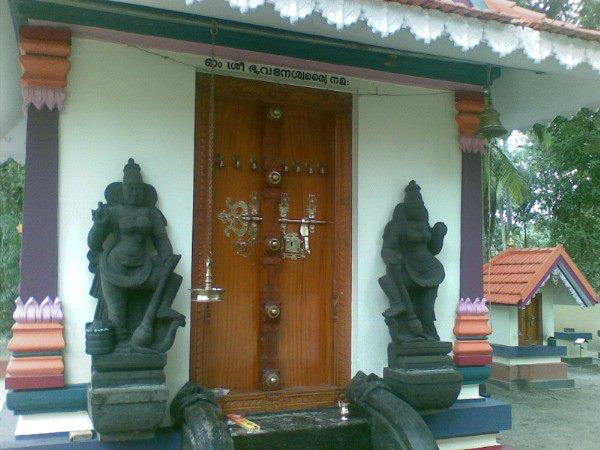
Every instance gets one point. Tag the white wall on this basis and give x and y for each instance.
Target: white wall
(10, 71)
(505, 325)
(122, 103)
(400, 139)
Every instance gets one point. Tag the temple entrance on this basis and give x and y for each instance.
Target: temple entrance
(278, 224)
(530, 322)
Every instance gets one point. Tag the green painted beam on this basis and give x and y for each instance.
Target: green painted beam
(189, 27)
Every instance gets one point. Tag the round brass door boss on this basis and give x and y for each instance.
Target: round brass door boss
(273, 311)
(274, 178)
(274, 244)
(271, 380)
(275, 113)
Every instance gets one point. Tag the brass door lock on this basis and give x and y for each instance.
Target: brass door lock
(297, 245)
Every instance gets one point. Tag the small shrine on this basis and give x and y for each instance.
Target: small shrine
(523, 287)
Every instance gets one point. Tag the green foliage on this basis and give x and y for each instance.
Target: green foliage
(12, 183)
(565, 159)
(585, 13)
(505, 188)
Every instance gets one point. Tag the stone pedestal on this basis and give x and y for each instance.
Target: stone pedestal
(126, 413)
(128, 397)
(423, 375)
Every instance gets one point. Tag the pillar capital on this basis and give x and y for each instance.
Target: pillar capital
(44, 60)
(469, 106)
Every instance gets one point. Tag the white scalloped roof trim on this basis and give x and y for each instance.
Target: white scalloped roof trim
(428, 25)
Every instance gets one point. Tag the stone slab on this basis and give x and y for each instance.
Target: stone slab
(423, 362)
(422, 348)
(515, 351)
(127, 378)
(129, 361)
(578, 361)
(127, 413)
(70, 398)
(470, 418)
(302, 430)
(472, 360)
(34, 382)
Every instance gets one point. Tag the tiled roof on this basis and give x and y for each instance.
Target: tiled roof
(517, 273)
(505, 11)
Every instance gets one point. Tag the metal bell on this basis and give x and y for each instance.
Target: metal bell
(489, 123)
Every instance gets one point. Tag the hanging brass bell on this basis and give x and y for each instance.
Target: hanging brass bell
(489, 122)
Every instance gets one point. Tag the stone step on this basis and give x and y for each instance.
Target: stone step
(312, 429)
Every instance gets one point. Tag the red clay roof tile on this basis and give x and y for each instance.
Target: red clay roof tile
(505, 11)
(517, 273)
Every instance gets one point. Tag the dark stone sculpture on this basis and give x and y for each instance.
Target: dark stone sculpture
(203, 426)
(134, 325)
(395, 425)
(413, 275)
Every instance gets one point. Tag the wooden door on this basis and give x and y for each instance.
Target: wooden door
(280, 339)
(530, 322)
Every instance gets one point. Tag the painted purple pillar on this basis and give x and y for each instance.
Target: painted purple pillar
(471, 227)
(39, 252)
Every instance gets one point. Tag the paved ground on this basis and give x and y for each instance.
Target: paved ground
(566, 419)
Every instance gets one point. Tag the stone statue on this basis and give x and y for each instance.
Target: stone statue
(419, 371)
(134, 325)
(134, 287)
(413, 273)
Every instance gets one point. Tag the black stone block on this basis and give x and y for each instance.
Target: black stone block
(129, 361)
(424, 389)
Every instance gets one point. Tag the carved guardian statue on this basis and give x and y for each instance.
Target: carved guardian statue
(134, 287)
(413, 273)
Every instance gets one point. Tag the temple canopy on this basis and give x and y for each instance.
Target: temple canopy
(546, 67)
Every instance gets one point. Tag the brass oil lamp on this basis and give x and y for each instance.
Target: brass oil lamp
(208, 293)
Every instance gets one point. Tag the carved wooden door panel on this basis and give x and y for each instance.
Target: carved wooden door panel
(280, 217)
(530, 322)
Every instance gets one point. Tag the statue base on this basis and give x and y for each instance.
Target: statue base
(423, 374)
(127, 412)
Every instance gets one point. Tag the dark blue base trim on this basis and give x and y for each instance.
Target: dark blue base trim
(508, 351)
(70, 398)
(470, 418)
(571, 336)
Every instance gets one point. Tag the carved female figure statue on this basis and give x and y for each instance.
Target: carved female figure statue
(134, 284)
(413, 273)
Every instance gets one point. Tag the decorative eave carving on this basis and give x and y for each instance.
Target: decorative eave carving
(44, 60)
(469, 106)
